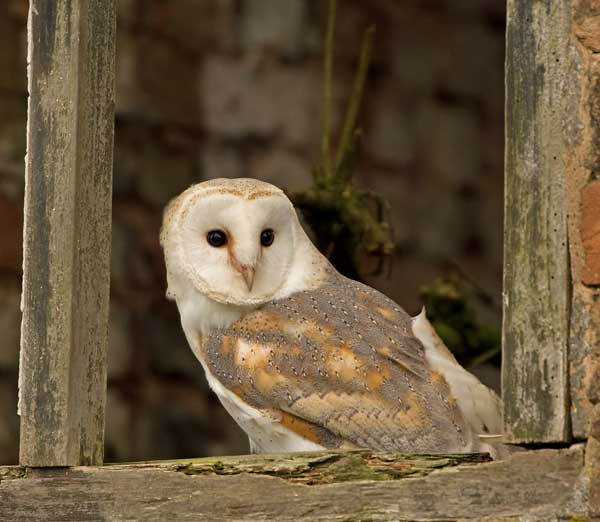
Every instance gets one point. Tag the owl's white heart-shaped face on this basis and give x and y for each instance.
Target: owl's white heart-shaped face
(232, 240)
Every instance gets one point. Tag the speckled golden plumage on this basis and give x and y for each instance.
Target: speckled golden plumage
(340, 366)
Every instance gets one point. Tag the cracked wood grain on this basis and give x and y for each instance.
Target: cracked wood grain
(68, 189)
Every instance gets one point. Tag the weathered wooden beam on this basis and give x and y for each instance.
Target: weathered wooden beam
(537, 282)
(539, 486)
(68, 189)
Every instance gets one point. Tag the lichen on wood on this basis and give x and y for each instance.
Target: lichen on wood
(12, 472)
(323, 467)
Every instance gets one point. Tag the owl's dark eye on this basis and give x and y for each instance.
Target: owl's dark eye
(266, 237)
(216, 238)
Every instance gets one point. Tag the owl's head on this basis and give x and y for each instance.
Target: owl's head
(234, 240)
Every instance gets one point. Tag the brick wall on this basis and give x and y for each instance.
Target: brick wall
(232, 88)
(584, 241)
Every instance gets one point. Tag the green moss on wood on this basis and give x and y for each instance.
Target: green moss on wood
(12, 472)
(323, 467)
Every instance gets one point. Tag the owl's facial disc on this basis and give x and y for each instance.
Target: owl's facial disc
(237, 250)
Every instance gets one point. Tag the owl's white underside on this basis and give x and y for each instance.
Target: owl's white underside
(265, 434)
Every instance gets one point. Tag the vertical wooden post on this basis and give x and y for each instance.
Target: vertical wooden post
(68, 189)
(536, 264)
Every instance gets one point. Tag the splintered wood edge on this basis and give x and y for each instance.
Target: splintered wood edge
(547, 484)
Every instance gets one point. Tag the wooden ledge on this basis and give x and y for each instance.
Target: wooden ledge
(352, 486)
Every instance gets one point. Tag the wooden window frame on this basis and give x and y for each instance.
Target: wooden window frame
(65, 315)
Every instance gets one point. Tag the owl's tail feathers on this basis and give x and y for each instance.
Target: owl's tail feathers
(491, 437)
(480, 406)
(496, 447)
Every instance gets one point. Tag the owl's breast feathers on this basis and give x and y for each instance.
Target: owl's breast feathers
(340, 367)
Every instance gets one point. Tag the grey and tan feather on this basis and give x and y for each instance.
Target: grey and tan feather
(323, 361)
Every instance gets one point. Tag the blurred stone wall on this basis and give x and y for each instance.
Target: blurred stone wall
(232, 88)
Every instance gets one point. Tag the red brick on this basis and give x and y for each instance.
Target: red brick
(11, 245)
(590, 233)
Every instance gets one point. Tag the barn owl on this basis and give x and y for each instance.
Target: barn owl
(300, 356)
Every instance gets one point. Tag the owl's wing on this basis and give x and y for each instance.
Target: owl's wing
(340, 364)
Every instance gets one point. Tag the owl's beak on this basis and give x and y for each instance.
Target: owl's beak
(247, 271)
(248, 275)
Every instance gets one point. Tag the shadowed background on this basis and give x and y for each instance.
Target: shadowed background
(213, 88)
